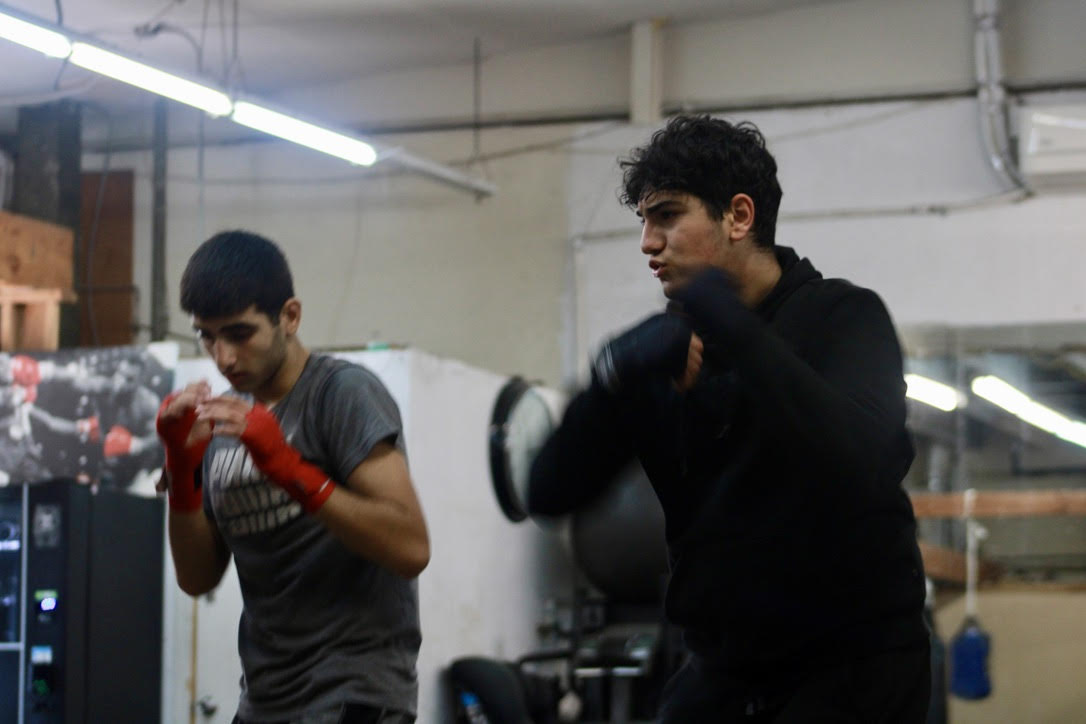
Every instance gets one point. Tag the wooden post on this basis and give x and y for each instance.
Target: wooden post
(29, 318)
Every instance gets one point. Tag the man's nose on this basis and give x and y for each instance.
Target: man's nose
(224, 354)
(652, 239)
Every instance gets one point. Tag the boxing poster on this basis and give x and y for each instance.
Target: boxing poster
(86, 414)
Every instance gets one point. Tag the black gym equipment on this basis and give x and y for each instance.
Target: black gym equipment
(519, 425)
(613, 650)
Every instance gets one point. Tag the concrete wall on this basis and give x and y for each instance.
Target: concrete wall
(395, 259)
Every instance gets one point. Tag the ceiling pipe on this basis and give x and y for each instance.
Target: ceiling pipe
(646, 72)
(437, 171)
(992, 96)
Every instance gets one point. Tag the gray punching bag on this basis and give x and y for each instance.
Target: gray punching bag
(618, 540)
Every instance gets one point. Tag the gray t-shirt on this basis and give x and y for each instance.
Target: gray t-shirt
(320, 626)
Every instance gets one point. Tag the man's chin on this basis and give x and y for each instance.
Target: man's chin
(241, 382)
(670, 287)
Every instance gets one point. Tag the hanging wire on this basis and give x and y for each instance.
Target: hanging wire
(235, 52)
(163, 12)
(201, 199)
(154, 28)
(224, 57)
(64, 62)
(477, 112)
(477, 100)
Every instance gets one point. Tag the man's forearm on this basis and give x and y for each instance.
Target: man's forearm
(198, 557)
(589, 447)
(383, 531)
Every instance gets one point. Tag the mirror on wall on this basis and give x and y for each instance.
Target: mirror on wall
(999, 418)
(1012, 423)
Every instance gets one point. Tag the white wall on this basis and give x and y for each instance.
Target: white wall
(394, 259)
(837, 49)
(553, 81)
(483, 591)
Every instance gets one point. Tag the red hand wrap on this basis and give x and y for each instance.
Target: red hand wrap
(181, 461)
(282, 463)
(118, 442)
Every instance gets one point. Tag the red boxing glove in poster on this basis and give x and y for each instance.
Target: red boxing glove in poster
(25, 371)
(118, 442)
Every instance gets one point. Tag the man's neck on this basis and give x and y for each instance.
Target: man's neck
(762, 274)
(285, 377)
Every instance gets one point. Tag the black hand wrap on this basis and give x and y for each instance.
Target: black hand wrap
(713, 306)
(659, 344)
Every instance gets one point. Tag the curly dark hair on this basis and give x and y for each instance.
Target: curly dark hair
(232, 271)
(711, 159)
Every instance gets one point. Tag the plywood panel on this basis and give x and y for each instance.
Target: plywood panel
(35, 253)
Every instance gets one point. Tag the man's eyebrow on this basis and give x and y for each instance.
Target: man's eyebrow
(657, 205)
(236, 327)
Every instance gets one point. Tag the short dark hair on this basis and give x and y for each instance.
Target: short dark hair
(711, 159)
(232, 271)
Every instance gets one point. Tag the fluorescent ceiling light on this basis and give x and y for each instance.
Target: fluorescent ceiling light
(151, 79)
(304, 134)
(1022, 406)
(85, 52)
(34, 37)
(926, 390)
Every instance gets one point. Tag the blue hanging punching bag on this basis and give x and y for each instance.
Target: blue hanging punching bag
(969, 650)
(969, 661)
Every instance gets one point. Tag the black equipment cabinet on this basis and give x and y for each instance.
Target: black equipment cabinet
(80, 605)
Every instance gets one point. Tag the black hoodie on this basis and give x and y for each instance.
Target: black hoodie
(791, 541)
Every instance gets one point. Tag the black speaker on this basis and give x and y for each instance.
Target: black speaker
(80, 605)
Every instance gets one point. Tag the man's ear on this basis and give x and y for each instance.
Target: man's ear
(741, 213)
(290, 316)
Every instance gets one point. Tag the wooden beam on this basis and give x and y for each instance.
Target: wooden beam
(948, 566)
(1001, 504)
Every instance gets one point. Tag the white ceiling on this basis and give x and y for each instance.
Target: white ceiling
(290, 43)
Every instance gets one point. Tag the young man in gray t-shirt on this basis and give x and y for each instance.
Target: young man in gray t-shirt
(301, 475)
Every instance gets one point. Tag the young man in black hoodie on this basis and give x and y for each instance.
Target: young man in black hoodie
(767, 406)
